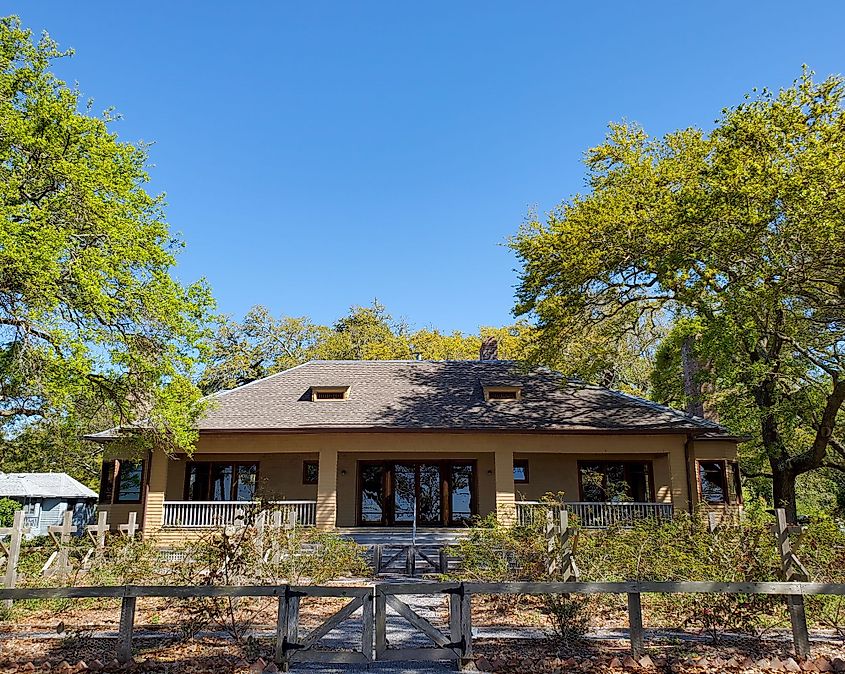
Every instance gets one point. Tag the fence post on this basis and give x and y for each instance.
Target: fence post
(635, 623)
(13, 551)
(381, 622)
(367, 625)
(552, 542)
(444, 560)
(411, 561)
(127, 624)
(466, 627)
(791, 569)
(377, 559)
(292, 625)
(281, 629)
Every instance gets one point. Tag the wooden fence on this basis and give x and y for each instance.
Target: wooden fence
(374, 601)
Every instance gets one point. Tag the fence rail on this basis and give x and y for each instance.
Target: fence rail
(373, 601)
(599, 515)
(208, 514)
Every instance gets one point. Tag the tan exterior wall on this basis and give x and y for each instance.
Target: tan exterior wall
(279, 475)
(552, 468)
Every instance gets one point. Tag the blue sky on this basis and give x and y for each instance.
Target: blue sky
(319, 154)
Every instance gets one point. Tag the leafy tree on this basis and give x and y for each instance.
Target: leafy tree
(258, 346)
(90, 317)
(740, 229)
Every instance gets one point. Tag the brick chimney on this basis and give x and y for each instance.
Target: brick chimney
(489, 349)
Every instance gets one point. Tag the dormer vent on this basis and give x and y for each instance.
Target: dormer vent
(319, 393)
(502, 393)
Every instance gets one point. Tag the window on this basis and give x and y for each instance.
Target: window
(712, 482)
(615, 481)
(121, 481)
(128, 481)
(719, 482)
(107, 481)
(520, 470)
(310, 472)
(502, 393)
(734, 482)
(220, 481)
(329, 393)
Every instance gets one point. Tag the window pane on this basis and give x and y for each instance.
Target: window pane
(430, 504)
(616, 486)
(129, 481)
(197, 481)
(712, 476)
(372, 493)
(310, 472)
(461, 496)
(639, 482)
(592, 482)
(221, 481)
(737, 483)
(404, 493)
(245, 490)
(520, 471)
(107, 482)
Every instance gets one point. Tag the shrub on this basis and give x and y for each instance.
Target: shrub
(568, 616)
(495, 552)
(8, 507)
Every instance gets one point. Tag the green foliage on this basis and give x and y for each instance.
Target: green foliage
(261, 345)
(569, 615)
(738, 230)
(8, 507)
(495, 552)
(92, 323)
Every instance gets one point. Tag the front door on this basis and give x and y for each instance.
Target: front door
(436, 493)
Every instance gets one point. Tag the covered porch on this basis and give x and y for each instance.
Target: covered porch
(392, 491)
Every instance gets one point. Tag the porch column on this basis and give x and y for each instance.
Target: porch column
(505, 499)
(327, 490)
(156, 488)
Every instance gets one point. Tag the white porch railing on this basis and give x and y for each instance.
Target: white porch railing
(206, 514)
(599, 515)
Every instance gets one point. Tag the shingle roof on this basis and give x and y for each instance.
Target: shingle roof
(43, 485)
(435, 395)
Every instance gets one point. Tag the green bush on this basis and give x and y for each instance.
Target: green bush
(495, 552)
(8, 507)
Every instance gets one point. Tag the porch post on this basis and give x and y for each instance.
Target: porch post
(158, 463)
(505, 499)
(327, 490)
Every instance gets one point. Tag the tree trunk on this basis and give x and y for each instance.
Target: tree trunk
(783, 491)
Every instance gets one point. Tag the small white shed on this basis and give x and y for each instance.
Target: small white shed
(45, 497)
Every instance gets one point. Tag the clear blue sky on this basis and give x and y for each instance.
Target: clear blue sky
(320, 154)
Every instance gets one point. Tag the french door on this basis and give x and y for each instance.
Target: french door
(436, 493)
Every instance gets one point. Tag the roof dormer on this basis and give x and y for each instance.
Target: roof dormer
(321, 393)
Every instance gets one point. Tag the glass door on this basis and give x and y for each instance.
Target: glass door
(441, 493)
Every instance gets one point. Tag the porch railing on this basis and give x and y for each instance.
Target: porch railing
(600, 515)
(207, 514)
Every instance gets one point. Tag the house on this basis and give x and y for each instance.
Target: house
(365, 444)
(45, 497)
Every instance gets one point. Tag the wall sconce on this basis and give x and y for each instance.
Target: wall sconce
(489, 472)
(343, 472)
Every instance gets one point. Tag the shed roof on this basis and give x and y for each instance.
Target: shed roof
(43, 485)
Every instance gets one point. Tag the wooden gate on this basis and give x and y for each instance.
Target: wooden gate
(410, 560)
(291, 647)
(456, 645)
